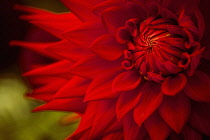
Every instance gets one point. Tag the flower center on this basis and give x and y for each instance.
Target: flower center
(157, 47)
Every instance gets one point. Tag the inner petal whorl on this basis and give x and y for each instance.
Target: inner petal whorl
(154, 50)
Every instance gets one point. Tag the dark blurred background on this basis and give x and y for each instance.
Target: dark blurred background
(16, 120)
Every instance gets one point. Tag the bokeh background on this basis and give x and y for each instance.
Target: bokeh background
(17, 122)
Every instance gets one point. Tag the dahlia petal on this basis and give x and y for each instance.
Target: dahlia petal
(190, 134)
(130, 128)
(115, 126)
(37, 47)
(76, 87)
(38, 81)
(155, 77)
(143, 135)
(186, 22)
(167, 13)
(177, 30)
(123, 35)
(48, 87)
(101, 88)
(51, 22)
(115, 17)
(199, 119)
(171, 67)
(93, 66)
(82, 9)
(107, 47)
(198, 88)
(175, 111)
(56, 26)
(127, 101)
(80, 136)
(86, 120)
(156, 127)
(149, 102)
(105, 110)
(68, 50)
(185, 61)
(58, 68)
(42, 96)
(195, 61)
(179, 5)
(99, 8)
(84, 35)
(174, 84)
(126, 81)
(114, 136)
(176, 42)
(131, 25)
(70, 104)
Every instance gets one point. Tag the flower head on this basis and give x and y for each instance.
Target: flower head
(133, 69)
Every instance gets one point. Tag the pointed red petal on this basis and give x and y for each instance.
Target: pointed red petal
(149, 102)
(127, 101)
(82, 9)
(58, 68)
(115, 17)
(107, 47)
(114, 136)
(51, 86)
(190, 134)
(126, 81)
(76, 87)
(130, 128)
(43, 96)
(156, 127)
(186, 22)
(68, 50)
(69, 104)
(101, 88)
(175, 111)
(198, 88)
(38, 81)
(200, 117)
(49, 21)
(179, 5)
(54, 23)
(94, 66)
(105, 110)
(98, 9)
(86, 120)
(174, 84)
(84, 35)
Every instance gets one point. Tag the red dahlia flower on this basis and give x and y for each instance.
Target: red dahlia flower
(133, 69)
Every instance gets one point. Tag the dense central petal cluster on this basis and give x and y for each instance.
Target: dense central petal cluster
(158, 47)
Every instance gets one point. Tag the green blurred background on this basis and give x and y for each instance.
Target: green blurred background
(16, 120)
